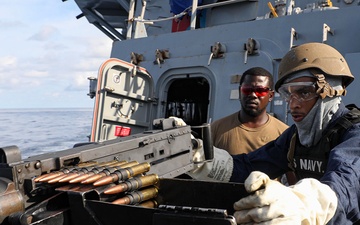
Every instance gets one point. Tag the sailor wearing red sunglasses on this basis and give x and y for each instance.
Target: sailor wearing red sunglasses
(251, 127)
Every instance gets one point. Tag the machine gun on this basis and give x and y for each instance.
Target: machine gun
(168, 151)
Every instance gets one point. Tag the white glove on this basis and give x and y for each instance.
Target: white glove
(220, 168)
(307, 202)
(178, 121)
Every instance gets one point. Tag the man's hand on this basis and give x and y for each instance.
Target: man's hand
(178, 121)
(219, 168)
(307, 202)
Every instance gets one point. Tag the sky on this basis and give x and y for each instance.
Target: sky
(47, 55)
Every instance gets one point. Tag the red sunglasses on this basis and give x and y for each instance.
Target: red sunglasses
(258, 90)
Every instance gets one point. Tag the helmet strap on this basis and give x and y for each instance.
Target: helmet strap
(324, 88)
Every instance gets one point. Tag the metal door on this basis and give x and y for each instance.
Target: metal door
(124, 98)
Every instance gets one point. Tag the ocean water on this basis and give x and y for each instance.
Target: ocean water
(37, 131)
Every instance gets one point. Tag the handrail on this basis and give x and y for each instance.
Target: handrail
(196, 8)
(216, 4)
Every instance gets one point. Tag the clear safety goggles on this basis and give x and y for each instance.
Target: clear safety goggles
(301, 91)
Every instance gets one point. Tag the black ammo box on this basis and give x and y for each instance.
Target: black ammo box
(180, 202)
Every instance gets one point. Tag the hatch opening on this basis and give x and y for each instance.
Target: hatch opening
(188, 98)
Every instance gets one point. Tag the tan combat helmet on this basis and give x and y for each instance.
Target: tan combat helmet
(317, 57)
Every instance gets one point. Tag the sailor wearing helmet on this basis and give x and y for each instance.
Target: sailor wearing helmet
(322, 149)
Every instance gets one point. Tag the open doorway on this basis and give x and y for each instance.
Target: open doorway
(188, 98)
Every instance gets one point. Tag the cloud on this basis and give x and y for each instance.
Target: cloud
(10, 24)
(36, 73)
(46, 33)
(7, 61)
(46, 53)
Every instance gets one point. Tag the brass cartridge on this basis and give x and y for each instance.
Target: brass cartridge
(123, 174)
(137, 196)
(134, 183)
(72, 176)
(73, 173)
(62, 171)
(107, 172)
(152, 203)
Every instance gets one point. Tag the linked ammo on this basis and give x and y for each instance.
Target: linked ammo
(137, 196)
(123, 174)
(49, 176)
(134, 183)
(106, 172)
(90, 171)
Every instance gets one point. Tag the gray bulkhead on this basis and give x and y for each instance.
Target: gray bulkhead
(190, 83)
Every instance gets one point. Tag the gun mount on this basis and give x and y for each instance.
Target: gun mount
(41, 189)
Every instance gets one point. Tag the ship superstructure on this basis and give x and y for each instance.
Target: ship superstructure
(185, 58)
